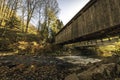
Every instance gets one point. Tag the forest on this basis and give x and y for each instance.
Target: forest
(28, 23)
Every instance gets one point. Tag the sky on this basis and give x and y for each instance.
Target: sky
(68, 9)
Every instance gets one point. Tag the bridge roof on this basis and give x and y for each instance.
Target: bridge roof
(88, 5)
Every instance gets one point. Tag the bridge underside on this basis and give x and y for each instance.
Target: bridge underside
(99, 19)
(106, 33)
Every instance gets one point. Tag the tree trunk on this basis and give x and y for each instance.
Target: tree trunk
(26, 30)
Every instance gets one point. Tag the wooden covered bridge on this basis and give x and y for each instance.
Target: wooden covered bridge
(97, 20)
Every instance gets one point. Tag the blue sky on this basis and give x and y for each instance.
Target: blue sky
(68, 8)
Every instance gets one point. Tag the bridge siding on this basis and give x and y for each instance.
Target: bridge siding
(101, 15)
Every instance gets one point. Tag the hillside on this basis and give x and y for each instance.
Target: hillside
(9, 38)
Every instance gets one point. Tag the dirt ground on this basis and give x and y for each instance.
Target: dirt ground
(20, 67)
(24, 67)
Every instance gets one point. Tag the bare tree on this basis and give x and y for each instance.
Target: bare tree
(22, 6)
(31, 5)
(40, 14)
(8, 8)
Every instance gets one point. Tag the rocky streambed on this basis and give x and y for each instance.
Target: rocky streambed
(106, 69)
(24, 67)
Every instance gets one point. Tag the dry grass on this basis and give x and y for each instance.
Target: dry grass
(110, 50)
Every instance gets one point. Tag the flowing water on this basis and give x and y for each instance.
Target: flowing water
(79, 59)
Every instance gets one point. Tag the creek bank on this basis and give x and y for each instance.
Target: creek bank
(107, 69)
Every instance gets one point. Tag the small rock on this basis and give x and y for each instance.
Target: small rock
(117, 78)
(118, 69)
(72, 77)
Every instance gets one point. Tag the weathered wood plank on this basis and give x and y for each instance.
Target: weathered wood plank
(101, 15)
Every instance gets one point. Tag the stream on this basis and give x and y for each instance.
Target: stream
(79, 59)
